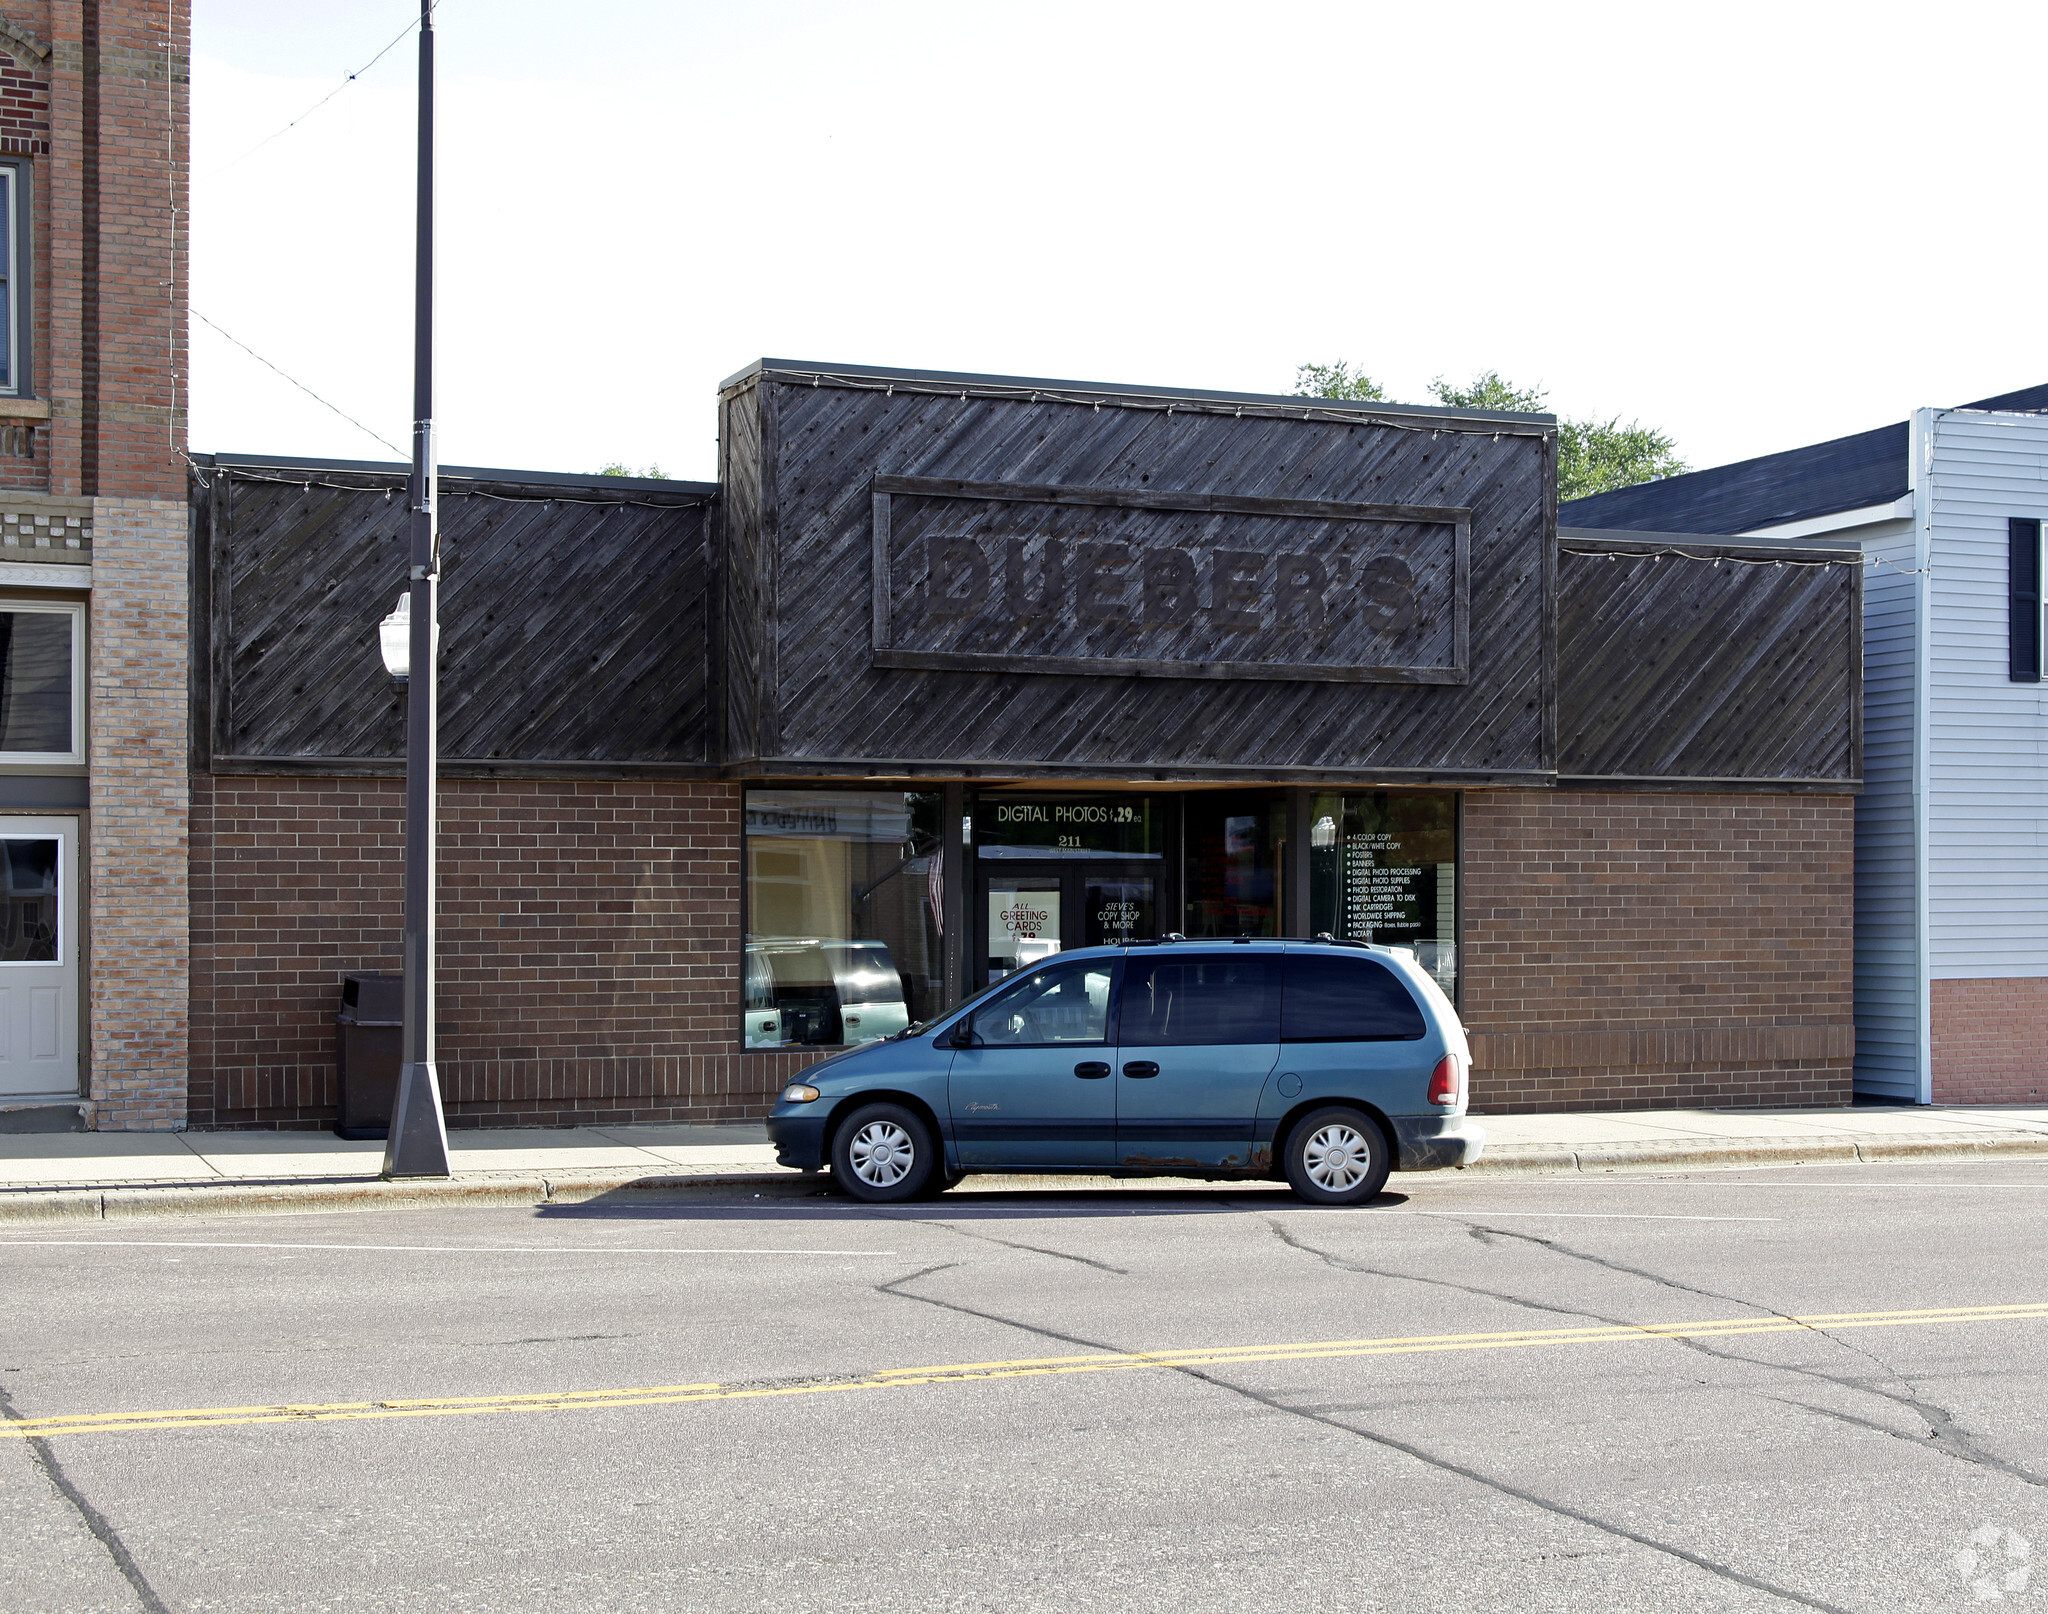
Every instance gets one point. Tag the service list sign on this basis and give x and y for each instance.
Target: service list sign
(1013, 578)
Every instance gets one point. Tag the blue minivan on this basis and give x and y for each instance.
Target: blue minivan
(1326, 1063)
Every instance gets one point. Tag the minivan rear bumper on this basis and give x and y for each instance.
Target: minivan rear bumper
(1432, 1142)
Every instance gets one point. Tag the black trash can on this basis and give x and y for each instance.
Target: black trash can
(369, 1048)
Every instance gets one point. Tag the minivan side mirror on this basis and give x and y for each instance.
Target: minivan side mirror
(961, 1036)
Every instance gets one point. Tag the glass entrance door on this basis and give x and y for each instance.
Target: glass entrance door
(1056, 870)
(1026, 911)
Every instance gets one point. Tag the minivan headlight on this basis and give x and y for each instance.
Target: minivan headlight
(799, 1093)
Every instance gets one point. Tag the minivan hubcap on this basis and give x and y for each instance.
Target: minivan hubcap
(1337, 1158)
(881, 1154)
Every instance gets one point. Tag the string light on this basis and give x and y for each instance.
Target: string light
(1737, 560)
(681, 500)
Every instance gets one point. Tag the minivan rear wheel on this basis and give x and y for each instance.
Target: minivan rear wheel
(884, 1153)
(1336, 1156)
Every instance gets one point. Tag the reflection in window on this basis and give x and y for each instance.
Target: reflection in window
(843, 915)
(28, 928)
(1055, 1004)
(1234, 846)
(35, 681)
(1384, 868)
(10, 279)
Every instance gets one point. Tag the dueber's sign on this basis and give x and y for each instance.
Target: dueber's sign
(1004, 577)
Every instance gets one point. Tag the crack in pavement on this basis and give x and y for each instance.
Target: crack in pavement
(44, 1460)
(1389, 1442)
(1011, 1244)
(1944, 1435)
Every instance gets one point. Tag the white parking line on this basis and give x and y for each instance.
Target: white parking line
(419, 1249)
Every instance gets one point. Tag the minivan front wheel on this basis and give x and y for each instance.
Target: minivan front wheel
(1337, 1156)
(884, 1153)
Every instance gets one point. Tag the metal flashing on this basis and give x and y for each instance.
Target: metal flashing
(461, 473)
(1108, 392)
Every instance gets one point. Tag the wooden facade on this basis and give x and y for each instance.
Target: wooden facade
(973, 577)
(962, 577)
(574, 619)
(1689, 661)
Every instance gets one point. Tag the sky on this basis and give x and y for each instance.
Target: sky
(1750, 225)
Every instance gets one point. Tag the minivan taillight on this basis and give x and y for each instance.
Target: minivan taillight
(1443, 1081)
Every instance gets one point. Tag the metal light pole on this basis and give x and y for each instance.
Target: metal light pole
(417, 1145)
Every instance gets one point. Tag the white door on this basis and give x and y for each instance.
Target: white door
(38, 955)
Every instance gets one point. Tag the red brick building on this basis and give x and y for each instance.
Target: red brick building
(949, 671)
(94, 753)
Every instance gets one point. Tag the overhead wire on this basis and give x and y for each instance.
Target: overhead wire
(308, 391)
(390, 45)
(317, 105)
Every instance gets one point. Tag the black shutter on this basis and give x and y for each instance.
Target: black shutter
(2023, 541)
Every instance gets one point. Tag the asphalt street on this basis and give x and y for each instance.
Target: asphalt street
(1802, 1387)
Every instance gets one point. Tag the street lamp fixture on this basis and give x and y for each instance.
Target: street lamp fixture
(394, 640)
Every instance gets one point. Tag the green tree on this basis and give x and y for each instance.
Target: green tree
(1593, 456)
(653, 473)
(1337, 380)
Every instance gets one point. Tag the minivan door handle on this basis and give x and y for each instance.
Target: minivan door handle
(1141, 1067)
(1090, 1070)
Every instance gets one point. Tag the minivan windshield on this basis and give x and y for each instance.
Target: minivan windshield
(968, 1002)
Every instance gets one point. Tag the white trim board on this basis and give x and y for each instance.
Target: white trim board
(1840, 521)
(22, 574)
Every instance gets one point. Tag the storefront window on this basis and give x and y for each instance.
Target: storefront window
(1384, 868)
(844, 912)
(1235, 843)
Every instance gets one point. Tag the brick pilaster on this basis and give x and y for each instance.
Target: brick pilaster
(140, 809)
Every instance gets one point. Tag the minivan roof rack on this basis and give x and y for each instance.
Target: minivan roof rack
(1328, 940)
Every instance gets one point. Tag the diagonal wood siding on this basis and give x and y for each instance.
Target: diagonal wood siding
(573, 619)
(1738, 664)
(802, 453)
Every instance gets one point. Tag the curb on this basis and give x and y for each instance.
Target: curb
(72, 1206)
(38, 1206)
(1683, 1154)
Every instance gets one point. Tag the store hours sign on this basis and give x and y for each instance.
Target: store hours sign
(1005, 577)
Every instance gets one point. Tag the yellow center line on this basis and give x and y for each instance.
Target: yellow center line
(93, 1423)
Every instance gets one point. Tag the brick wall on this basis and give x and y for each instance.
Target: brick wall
(137, 756)
(1990, 1041)
(1643, 950)
(115, 195)
(589, 948)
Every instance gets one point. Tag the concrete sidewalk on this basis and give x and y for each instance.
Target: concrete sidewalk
(102, 1175)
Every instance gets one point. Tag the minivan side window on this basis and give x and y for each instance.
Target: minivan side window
(1055, 1003)
(1179, 1000)
(1332, 999)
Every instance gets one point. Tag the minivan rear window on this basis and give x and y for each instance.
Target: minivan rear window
(1330, 999)
(1179, 1002)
